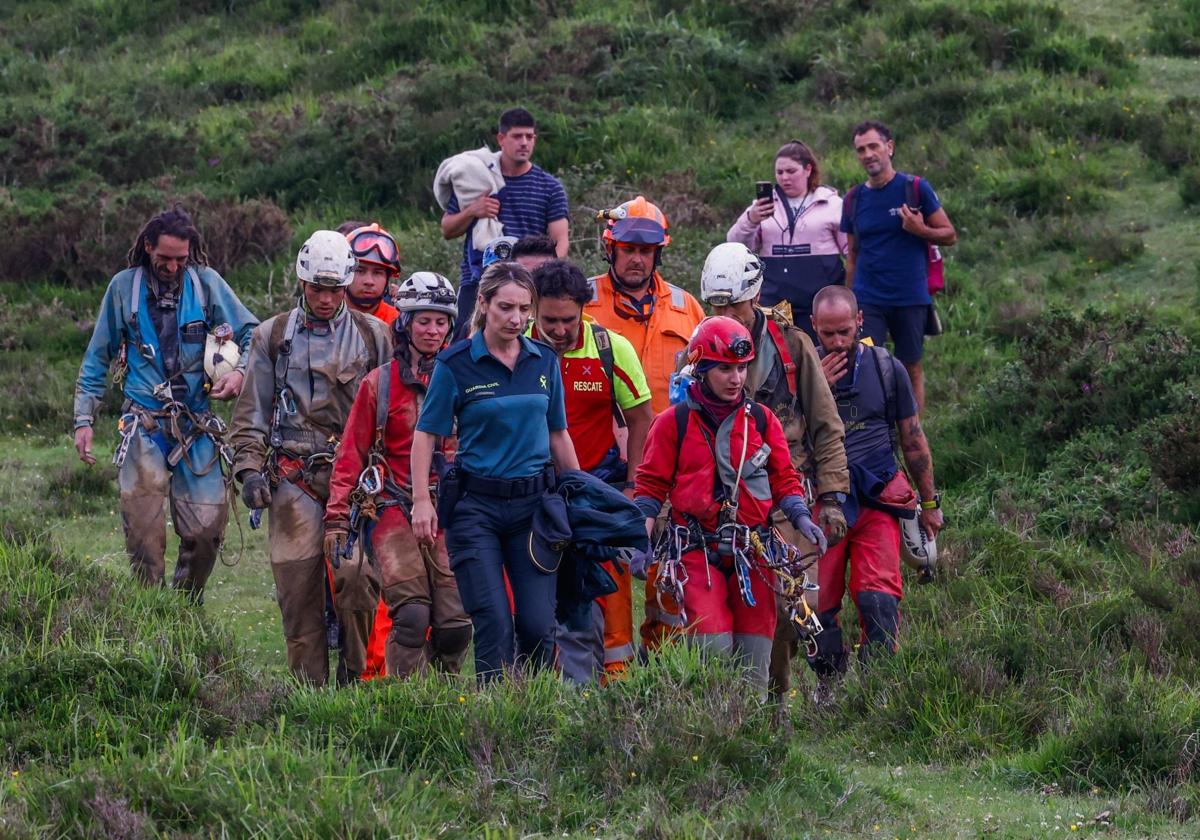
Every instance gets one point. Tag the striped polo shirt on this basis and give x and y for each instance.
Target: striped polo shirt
(589, 394)
(504, 416)
(528, 204)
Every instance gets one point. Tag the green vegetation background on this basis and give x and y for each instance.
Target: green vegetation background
(1047, 681)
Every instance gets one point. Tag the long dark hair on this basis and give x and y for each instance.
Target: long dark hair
(174, 222)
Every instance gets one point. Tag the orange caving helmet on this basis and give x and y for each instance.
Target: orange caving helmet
(636, 222)
(375, 246)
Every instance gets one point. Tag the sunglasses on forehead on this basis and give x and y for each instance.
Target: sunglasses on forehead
(381, 245)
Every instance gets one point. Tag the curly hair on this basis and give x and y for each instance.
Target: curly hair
(174, 222)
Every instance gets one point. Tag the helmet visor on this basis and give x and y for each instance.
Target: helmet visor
(638, 231)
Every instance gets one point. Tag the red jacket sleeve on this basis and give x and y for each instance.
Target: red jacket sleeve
(785, 481)
(656, 474)
(351, 456)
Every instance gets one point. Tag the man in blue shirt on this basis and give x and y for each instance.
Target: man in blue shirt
(889, 240)
(878, 409)
(532, 202)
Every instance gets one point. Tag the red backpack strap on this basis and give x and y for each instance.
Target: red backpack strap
(914, 191)
(789, 366)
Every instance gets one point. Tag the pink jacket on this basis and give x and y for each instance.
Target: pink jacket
(817, 227)
(800, 262)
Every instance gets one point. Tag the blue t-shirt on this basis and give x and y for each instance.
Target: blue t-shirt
(890, 267)
(504, 416)
(861, 404)
(528, 204)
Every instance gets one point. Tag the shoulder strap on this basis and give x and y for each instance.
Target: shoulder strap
(368, 337)
(136, 304)
(682, 412)
(785, 355)
(914, 191)
(382, 400)
(848, 202)
(198, 290)
(889, 394)
(283, 330)
(760, 419)
(608, 362)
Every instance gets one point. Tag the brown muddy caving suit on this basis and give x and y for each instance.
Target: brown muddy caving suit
(816, 439)
(315, 368)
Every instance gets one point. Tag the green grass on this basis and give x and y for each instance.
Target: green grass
(1044, 680)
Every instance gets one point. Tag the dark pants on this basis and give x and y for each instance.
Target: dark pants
(905, 324)
(489, 537)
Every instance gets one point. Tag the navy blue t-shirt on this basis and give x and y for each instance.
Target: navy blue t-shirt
(862, 407)
(528, 204)
(890, 267)
(504, 416)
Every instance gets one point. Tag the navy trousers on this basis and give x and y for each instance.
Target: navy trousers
(489, 536)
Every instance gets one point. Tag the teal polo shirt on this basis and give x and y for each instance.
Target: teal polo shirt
(504, 416)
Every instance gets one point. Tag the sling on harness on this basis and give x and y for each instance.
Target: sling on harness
(728, 547)
(376, 490)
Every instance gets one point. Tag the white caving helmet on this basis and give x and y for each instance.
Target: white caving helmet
(917, 549)
(732, 273)
(426, 291)
(221, 353)
(326, 260)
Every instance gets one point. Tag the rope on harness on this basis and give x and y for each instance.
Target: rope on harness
(790, 567)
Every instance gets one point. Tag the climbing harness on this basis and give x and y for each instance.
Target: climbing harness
(376, 491)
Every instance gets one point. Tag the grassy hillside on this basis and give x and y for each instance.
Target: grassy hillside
(1047, 677)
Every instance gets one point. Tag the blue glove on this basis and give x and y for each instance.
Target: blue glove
(809, 530)
(638, 561)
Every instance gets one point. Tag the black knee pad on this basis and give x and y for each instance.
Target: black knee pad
(451, 640)
(880, 613)
(830, 659)
(410, 622)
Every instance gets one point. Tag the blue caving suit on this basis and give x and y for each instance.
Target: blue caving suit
(166, 344)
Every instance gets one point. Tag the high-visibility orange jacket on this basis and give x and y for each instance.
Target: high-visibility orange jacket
(659, 338)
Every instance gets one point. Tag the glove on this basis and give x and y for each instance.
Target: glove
(335, 542)
(809, 530)
(638, 561)
(256, 493)
(833, 521)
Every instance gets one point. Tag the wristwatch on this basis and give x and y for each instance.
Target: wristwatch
(932, 504)
(833, 496)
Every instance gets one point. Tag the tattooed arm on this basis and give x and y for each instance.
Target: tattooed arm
(920, 466)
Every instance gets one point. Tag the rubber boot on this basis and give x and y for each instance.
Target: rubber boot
(879, 614)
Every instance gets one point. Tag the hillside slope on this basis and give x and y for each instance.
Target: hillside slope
(1048, 676)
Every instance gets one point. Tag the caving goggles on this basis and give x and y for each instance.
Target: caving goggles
(374, 245)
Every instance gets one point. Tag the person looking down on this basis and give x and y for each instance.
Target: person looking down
(504, 394)
(879, 410)
(425, 620)
(796, 232)
(602, 380)
(722, 462)
(154, 320)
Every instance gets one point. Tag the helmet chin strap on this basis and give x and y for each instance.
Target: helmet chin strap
(365, 302)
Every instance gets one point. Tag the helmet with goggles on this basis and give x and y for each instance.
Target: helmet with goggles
(373, 245)
(732, 273)
(720, 340)
(325, 260)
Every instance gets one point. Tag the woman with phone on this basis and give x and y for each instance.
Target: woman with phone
(793, 226)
